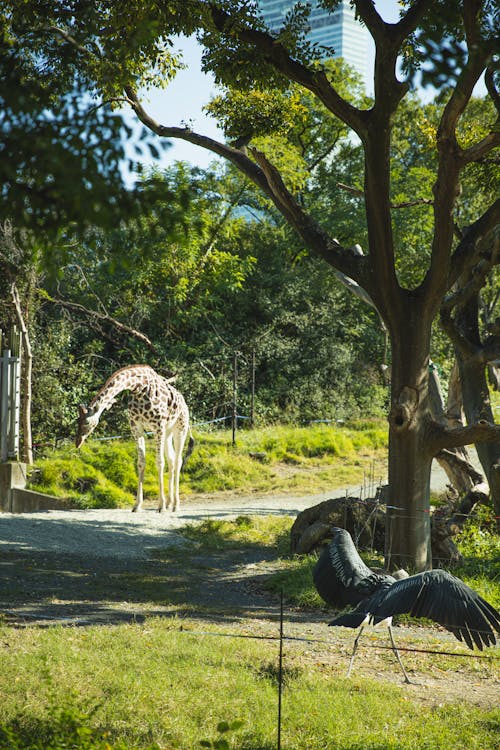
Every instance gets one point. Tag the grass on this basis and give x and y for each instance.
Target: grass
(177, 682)
(159, 686)
(479, 547)
(291, 460)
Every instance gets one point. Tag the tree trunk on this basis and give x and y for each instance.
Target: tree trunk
(476, 395)
(455, 461)
(410, 460)
(477, 407)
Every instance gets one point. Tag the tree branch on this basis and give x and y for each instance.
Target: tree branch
(67, 38)
(467, 252)
(97, 316)
(469, 285)
(406, 204)
(267, 177)
(343, 259)
(379, 29)
(235, 156)
(277, 56)
(481, 149)
(456, 437)
(489, 81)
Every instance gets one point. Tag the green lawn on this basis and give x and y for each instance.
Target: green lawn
(271, 460)
(158, 685)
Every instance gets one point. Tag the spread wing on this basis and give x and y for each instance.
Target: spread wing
(439, 596)
(340, 576)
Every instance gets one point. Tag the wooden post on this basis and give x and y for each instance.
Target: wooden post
(252, 397)
(15, 399)
(234, 410)
(25, 374)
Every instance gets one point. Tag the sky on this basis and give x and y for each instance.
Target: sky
(183, 100)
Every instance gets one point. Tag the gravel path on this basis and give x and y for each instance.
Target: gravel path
(118, 533)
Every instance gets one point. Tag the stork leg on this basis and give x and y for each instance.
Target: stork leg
(394, 648)
(355, 648)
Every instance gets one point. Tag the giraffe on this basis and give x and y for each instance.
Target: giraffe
(156, 406)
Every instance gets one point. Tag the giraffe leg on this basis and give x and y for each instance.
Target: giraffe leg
(179, 438)
(170, 452)
(141, 463)
(160, 465)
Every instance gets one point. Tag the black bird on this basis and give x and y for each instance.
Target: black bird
(342, 579)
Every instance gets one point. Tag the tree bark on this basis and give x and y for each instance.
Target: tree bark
(462, 475)
(410, 458)
(475, 392)
(477, 407)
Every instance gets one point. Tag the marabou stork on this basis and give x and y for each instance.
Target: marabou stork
(342, 579)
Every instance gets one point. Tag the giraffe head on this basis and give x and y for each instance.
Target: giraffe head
(88, 420)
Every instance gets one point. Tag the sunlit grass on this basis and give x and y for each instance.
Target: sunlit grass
(293, 460)
(169, 684)
(293, 575)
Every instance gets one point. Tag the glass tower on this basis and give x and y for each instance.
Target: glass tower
(339, 29)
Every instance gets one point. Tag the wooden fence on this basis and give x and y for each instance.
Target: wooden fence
(10, 388)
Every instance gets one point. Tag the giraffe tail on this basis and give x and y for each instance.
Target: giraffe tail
(189, 450)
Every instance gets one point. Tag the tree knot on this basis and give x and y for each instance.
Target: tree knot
(404, 409)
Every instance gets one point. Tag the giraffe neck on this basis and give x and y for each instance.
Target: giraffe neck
(126, 379)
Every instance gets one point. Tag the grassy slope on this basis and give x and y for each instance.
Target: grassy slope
(279, 459)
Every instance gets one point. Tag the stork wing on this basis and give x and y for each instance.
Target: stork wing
(340, 576)
(441, 597)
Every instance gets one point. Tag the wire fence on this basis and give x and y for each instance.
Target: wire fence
(280, 635)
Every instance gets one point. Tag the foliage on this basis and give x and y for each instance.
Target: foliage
(202, 281)
(59, 155)
(289, 116)
(479, 544)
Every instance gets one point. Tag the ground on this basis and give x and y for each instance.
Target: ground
(105, 567)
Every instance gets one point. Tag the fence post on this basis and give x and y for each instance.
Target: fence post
(235, 408)
(4, 403)
(10, 379)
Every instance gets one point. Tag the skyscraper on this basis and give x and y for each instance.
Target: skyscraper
(339, 29)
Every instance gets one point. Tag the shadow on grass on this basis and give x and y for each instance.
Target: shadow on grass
(65, 728)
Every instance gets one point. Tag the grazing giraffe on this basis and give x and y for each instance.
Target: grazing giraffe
(155, 406)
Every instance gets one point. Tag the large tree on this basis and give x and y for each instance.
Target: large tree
(115, 46)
